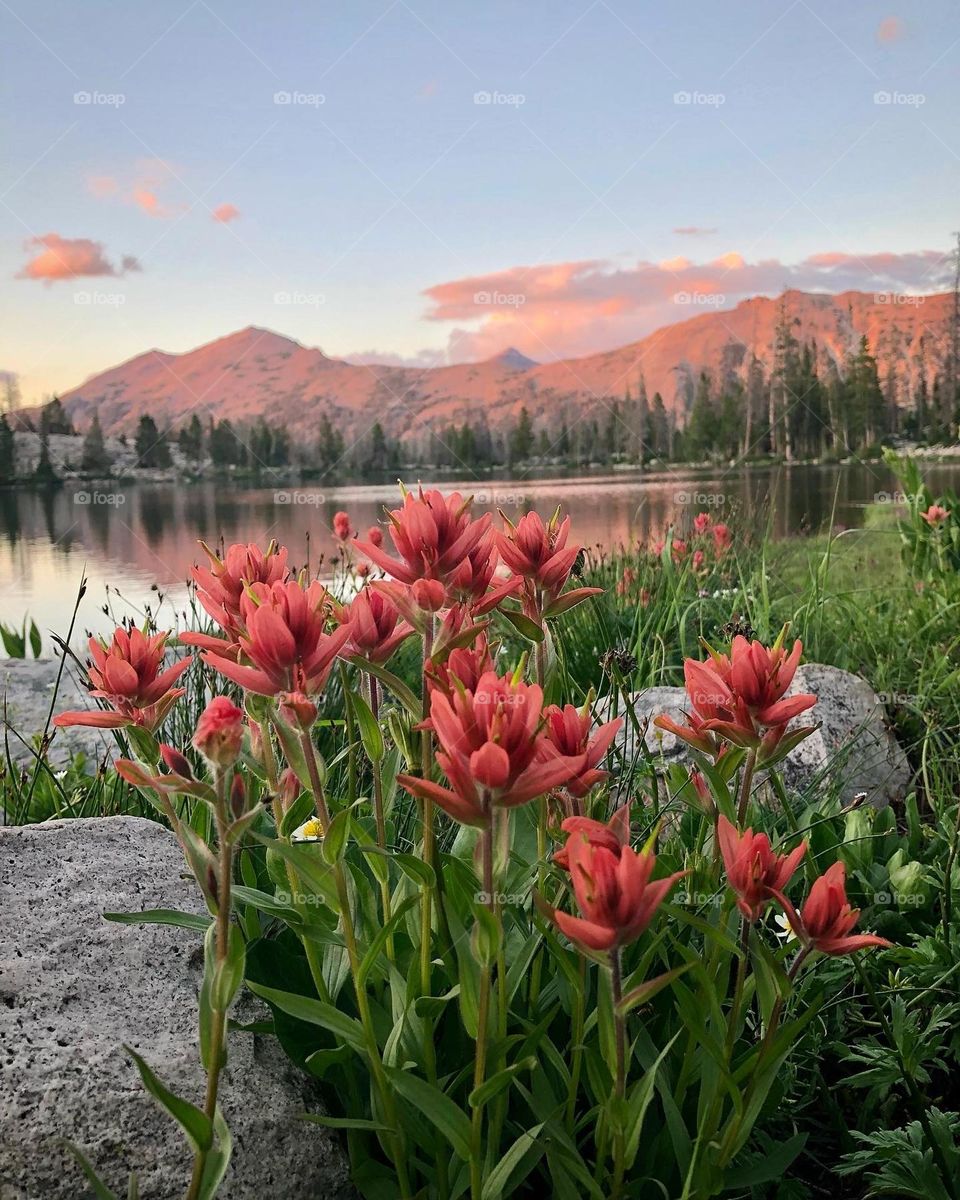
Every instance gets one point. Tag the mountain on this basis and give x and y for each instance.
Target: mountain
(256, 372)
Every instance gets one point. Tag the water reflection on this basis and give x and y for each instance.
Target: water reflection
(144, 536)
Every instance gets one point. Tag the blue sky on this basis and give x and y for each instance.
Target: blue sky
(366, 215)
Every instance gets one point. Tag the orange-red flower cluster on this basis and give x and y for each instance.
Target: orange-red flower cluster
(742, 698)
(129, 675)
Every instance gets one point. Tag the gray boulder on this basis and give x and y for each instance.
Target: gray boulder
(853, 751)
(27, 690)
(74, 987)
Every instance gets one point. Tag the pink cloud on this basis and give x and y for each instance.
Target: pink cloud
(557, 310)
(68, 258)
(102, 186)
(149, 202)
(890, 29)
(693, 231)
(225, 212)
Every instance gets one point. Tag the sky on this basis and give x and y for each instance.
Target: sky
(436, 180)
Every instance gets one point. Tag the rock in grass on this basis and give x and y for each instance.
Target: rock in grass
(74, 988)
(853, 751)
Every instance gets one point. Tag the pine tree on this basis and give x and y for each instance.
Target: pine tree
(95, 456)
(53, 419)
(521, 438)
(150, 444)
(44, 472)
(191, 440)
(8, 451)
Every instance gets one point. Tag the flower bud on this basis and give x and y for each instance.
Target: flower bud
(341, 525)
(298, 710)
(175, 761)
(375, 535)
(219, 733)
(288, 788)
(238, 796)
(428, 594)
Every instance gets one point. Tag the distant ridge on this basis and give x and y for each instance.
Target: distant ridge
(256, 372)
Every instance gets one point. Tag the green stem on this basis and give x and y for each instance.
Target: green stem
(734, 1020)
(374, 695)
(221, 949)
(483, 1015)
(576, 1066)
(746, 787)
(620, 1085)
(363, 1006)
(426, 812)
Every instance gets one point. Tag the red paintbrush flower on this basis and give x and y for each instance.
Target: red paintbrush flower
(490, 738)
(754, 872)
(472, 585)
(539, 554)
(220, 588)
(285, 641)
(570, 731)
(615, 834)
(432, 534)
(463, 664)
(375, 626)
(614, 892)
(936, 514)
(129, 675)
(826, 919)
(740, 696)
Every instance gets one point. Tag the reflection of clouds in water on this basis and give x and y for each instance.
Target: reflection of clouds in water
(48, 541)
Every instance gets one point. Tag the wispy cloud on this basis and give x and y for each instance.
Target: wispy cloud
(56, 257)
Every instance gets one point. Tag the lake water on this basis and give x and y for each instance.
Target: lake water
(136, 545)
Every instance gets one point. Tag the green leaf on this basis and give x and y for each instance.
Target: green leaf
(649, 988)
(195, 1124)
(524, 625)
(639, 1101)
(218, 1159)
(100, 1189)
(772, 1166)
(315, 874)
(370, 733)
(397, 686)
(228, 974)
(416, 869)
(315, 1012)
(439, 1109)
(35, 641)
(266, 903)
(334, 842)
(378, 943)
(496, 1083)
(345, 1122)
(299, 811)
(161, 916)
(526, 1146)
